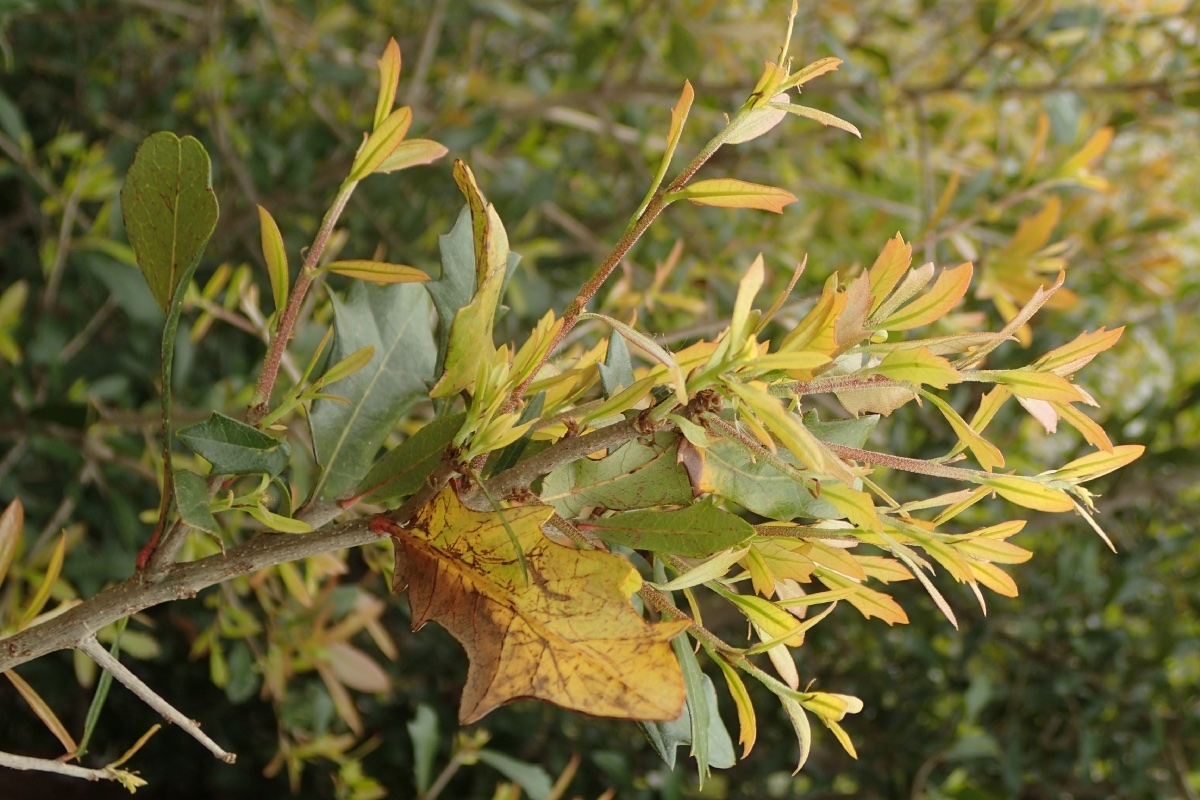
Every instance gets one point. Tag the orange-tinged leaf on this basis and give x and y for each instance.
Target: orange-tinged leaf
(1038, 385)
(355, 668)
(993, 550)
(389, 78)
(947, 290)
(814, 70)
(816, 331)
(569, 636)
(12, 523)
(1083, 348)
(994, 578)
(377, 271)
(918, 365)
(43, 711)
(885, 570)
(412, 153)
(1029, 493)
(817, 115)
(757, 121)
(986, 453)
(1033, 232)
(888, 269)
(869, 602)
(732, 193)
(1093, 465)
(1087, 426)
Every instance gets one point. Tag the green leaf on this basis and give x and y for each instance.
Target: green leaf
(380, 144)
(633, 476)
(510, 455)
(170, 210)
(191, 498)
(697, 531)
(347, 436)
(666, 736)
(404, 469)
(616, 373)
(651, 348)
(423, 730)
(235, 448)
(276, 257)
(533, 779)
(376, 271)
(726, 469)
(732, 193)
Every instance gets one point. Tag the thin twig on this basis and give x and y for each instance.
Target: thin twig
(28, 764)
(433, 33)
(148, 696)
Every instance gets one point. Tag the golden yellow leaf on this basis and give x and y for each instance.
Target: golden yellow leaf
(1093, 465)
(732, 193)
(569, 635)
(919, 366)
(888, 269)
(947, 290)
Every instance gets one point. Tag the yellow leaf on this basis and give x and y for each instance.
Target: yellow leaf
(1032, 233)
(816, 331)
(994, 578)
(788, 427)
(1029, 493)
(857, 506)
(838, 560)
(885, 570)
(1093, 465)
(732, 193)
(1083, 348)
(947, 290)
(569, 635)
(1088, 427)
(747, 723)
(12, 522)
(1038, 385)
(986, 453)
(888, 269)
(869, 602)
(813, 70)
(748, 288)
(48, 580)
(380, 144)
(275, 256)
(377, 271)
(993, 550)
(918, 365)
(1092, 149)
(817, 115)
(389, 78)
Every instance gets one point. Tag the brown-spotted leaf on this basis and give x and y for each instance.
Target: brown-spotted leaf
(569, 635)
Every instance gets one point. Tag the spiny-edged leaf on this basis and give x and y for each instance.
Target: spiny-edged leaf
(389, 78)
(616, 373)
(747, 723)
(817, 115)
(169, 209)
(947, 290)
(888, 269)
(1083, 348)
(191, 498)
(569, 635)
(470, 341)
(1093, 465)
(732, 193)
(404, 469)
(412, 153)
(1038, 385)
(235, 448)
(633, 476)
(275, 255)
(377, 271)
(347, 436)
(12, 523)
(697, 531)
(919, 366)
(650, 347)
(986, 453)
(380, 144)
(1029, 493)
(530, 777)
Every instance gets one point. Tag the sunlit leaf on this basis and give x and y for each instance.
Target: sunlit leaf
(732, 193)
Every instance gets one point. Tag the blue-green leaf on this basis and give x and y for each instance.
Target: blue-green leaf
(235, 448)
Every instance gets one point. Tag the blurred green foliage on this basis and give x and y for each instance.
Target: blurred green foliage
(1084, 686)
